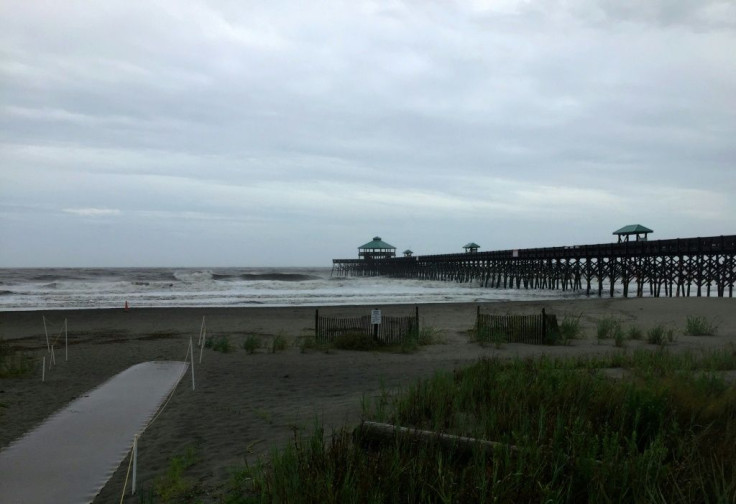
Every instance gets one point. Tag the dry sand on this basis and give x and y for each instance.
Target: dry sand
(244, 405)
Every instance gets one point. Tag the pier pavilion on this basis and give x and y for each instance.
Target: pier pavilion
(376, 249)
(637, 230)
(471, 247)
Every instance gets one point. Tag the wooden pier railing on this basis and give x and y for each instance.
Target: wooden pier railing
(681, 267)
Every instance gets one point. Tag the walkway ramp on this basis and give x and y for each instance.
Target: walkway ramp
(70, 457)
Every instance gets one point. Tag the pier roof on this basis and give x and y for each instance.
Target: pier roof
(633, 229)
(377, 244)
(625, 232)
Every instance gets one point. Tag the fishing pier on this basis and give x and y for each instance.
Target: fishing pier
(679, 267)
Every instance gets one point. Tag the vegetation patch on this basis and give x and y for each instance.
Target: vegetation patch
(570, 329)
(607, 328)
(219, 344)
(175, 486)
(279, 343)
(700, 326)
(660, 335)
(14, 364)
(354, 341)
(251, 343)
(635, 333)
(565, 433)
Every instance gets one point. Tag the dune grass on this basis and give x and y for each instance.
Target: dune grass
(279, 343)
(251, 343)
(14, 364)
(660, 335)
(174, 486)
(700, 326)
(663, 434)
(219, 344)
(417, 338)
(570, 329)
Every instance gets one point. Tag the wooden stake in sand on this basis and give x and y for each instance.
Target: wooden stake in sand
(43, 370)
(48, 347)
(53, 357)
(135, 464)
(201, 347)
(202, 331)
(191, 351)
(66, 341)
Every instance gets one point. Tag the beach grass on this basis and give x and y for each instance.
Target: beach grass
(700, 326)
(359, 341)
(279, 343)
(606, 328)
(570, 329)
(634, 333)
(251, 343)
(566, 433)
(660, 335)
(219, 344)
(14, 364)
(175, 486)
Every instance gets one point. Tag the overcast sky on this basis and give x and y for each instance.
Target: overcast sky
(286, 133)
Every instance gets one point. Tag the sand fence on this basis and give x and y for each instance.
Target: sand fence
(71, 456)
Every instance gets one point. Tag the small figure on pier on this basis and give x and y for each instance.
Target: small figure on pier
(471, 247)
(376, 249)
(637, 230)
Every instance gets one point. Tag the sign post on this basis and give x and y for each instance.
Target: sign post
(376, 321)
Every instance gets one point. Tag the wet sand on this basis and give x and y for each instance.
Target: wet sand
(245, 405)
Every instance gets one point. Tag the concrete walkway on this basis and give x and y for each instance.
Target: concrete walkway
(70, 457)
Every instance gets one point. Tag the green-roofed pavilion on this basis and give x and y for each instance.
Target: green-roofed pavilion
(408, 253)
(637, 230)
(376, 249)
(471, 247)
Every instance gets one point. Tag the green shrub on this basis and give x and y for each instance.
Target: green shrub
(635, 333)
(428, 335)
(14, 364)
(570, 329)
(699, 326)
(607, 327)
(219, 344)
(307, 343)
(354, 341)
(174, 486)
(251, 343)
(660, 335)
(498, 338)
(278, 344)
(619, 338)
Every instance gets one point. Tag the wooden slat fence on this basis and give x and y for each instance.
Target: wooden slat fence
(391, 330)
(531, 329)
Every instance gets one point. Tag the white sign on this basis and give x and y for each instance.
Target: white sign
(375, 316)
(515, 253)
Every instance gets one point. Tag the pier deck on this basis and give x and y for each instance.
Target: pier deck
(679, 267)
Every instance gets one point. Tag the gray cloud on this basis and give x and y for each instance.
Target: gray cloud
(232, 126)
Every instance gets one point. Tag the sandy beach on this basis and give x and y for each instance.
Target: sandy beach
(245, 404)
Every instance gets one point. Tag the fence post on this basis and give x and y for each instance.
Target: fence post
(316, 324)
(544, 326)
(375, 320)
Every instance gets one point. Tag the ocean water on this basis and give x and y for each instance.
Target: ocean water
(79, 288)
